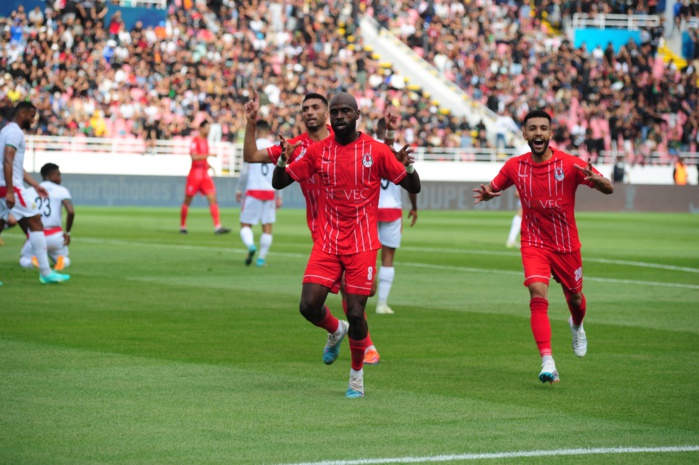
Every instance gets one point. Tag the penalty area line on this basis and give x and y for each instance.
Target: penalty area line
(508, 455)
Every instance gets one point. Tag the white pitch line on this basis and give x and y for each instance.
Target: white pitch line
(586, 259)
(508, 455)
(416, 265)
(519, 273)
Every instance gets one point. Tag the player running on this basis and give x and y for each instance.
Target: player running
(547, 179)
(199, 181)
(350, 166)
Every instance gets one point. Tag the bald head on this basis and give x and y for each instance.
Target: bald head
(344, 99)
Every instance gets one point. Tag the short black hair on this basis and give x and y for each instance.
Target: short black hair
(314, 95)
(262, 125)
(47, 169)
(24, 105)
(381, 124)
(203, 124)
(536, 114)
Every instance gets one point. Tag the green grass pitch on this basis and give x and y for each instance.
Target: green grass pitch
(166, 349)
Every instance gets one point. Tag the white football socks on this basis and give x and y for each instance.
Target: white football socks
(386, 275)
(265, 244)
(38, 242)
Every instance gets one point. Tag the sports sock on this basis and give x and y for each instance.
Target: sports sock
(540, 324)
(386, 275)
(368, 334)
(514, 229)
(265, 244)
(38, 242)
(247, 236)
(357, 350)
(578, 314)
(183, 215)
(328, 322)
(215, 214)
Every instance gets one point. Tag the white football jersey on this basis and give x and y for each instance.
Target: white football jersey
(51, 208)
(13, 136)
(260, 174)
(390, 195)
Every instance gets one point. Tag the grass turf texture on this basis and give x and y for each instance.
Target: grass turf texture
(165, 348)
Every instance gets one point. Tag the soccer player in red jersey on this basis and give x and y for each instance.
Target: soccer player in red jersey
(199, 181)
(547, 179)
(314, 114)
(350, 167)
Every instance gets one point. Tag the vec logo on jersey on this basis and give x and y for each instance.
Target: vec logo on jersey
(558, 174)
(367, 161)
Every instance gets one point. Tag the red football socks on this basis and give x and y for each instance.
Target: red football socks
(183, 215)
(357, 348)
(540, 324)
(328, 322)
(213, 208)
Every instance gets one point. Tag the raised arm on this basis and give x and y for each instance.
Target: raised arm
(250, 152)
(411, 182)
(601, 183)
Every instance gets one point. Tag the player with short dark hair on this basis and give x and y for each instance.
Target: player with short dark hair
(547, 179)
(199, 181)
(13, 195)
(350, 166)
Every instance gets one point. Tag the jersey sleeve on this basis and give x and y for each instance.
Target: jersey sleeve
(389, 167)
(194, 147)
(503, 179)
(303, 167)
(13, 139)
(274, 152)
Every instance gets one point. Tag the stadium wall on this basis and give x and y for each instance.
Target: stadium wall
(168, 191)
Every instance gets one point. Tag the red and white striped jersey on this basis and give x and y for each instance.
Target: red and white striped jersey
(350, 179)
(547, 191)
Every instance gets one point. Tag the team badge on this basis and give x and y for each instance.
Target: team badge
(558, 174)
(367, 161)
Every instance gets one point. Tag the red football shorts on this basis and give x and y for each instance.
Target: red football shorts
(326, 270)
(539, 264)
(199, 182)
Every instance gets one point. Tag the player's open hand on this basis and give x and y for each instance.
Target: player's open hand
(484, 193)
(252, 106)
(587, 171)
(412, 214)
(405, 155)
(66, 239)
(287, 148)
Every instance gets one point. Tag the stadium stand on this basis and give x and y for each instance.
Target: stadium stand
(93, 76)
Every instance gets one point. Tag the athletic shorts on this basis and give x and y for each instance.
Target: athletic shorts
(258, 211)
(326, 270)
(25, 206)
(199, 182)
(539, 264)
(54, 245)
(390, 233)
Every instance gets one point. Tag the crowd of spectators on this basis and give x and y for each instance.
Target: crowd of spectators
(601, 99)
(90, 75)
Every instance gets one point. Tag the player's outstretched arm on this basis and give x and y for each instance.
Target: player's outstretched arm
(411, 182)
(280, 178)
(602, 184)
(484, 193)
(250, 152)
(391, 116)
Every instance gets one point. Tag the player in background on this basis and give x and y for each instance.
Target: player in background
(57, 240)
(390, 216)
(547, 180)
(350, 165)
(516, 225)
(314, 115)
(199, 181)
(13, 198)
(260, 202)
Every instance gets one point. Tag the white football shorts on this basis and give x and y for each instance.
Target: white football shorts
(390, 233)
(258, 211)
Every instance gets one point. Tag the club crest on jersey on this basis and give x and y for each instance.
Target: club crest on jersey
(558, 174)
(367, 160)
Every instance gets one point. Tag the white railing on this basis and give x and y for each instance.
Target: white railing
(231, 155)
(582, 20)
(689, 23)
